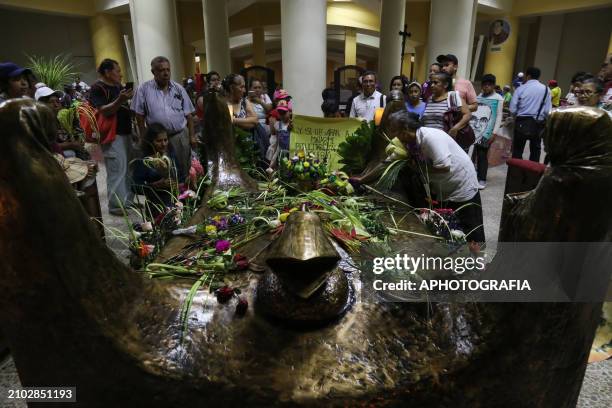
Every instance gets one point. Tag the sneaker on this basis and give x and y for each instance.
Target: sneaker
(481, 184)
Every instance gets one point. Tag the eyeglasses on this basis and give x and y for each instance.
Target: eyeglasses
(588, 92)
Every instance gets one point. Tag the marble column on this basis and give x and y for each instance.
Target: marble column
(155, 28)
(304, 52)
(350, 46)
(216, 36)
(392, 15)
(451, 31)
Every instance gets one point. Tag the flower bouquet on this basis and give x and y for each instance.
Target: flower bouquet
(304, 170)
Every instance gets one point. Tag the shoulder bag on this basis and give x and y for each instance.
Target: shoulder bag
(530, 126)
(465, 136)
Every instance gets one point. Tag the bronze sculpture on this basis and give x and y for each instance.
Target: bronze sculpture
(78, 316)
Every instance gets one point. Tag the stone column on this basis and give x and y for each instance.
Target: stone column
(304, 51)
(216, 36)
(499, 59)
(259, 46)
(392, 17)
(350, 46)
(107, 41)
(451, 31)
(155, 29)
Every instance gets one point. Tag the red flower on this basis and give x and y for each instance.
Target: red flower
(242, 306)
(145, 250)
(241, 262)
(159, 218)
(224, 294)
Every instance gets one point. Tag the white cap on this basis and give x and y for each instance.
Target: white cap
(39, 85)
(45, 91)
(520, 75)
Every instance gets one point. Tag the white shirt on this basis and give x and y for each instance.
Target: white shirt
(440, 150)
(365, 106)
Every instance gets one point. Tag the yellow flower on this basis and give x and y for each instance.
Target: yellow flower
(211, 230)
(300, 154)
(283, 217)
(293, 209)
(306, 165)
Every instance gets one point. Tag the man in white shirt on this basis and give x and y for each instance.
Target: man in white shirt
(365, 104)
(450, 171)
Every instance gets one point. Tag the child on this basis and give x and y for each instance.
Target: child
(279, 141)
(156, 175)
(481, 147)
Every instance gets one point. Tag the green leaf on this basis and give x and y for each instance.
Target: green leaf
(54, 72)
(356, 148)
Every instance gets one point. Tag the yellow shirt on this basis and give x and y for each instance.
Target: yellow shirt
(555, 94)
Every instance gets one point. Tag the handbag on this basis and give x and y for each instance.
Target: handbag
(104, 130)
(465, 136)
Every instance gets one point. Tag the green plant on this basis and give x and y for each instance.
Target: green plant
(355, 149)
(54, 72)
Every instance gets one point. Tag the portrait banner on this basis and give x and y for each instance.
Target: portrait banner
(321, 136)
(499, 31)
(483, 120)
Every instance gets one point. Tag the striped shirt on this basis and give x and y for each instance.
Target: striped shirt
(433, 116)
(166, 108)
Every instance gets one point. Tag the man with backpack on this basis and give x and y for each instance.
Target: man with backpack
(114, 122)
(530, 104)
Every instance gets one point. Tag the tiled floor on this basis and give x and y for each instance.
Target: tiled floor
(598, 380)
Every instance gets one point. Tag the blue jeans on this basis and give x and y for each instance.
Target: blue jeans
(118, 184)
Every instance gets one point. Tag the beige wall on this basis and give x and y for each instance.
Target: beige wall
(47, 35)
(584, 44)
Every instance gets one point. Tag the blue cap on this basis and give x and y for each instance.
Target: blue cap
(11, 70)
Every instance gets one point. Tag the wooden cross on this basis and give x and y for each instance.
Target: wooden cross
(404, 35)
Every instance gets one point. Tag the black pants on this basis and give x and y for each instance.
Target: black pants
(470, 218)
(482, 161)
(520, 139)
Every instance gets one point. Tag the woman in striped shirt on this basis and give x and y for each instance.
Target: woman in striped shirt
(439, 103)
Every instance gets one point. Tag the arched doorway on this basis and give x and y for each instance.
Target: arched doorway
(346, 84)
(263, 74)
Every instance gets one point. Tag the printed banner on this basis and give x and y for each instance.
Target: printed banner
(321, 136)
(483, 120)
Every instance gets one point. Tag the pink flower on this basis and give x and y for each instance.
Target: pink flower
(197, 166)
(222, 245)
(187, 194)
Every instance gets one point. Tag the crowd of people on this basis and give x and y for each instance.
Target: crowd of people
(163, 120)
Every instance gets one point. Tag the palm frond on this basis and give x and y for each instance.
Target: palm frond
(389, 177)
(54, 72)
